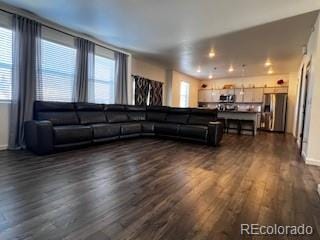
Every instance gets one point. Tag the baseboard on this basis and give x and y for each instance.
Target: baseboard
(313, 162)
(3, 147)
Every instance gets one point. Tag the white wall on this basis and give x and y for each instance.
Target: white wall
(4, 123)
(291, 80)
(312, 129)
(152, 71)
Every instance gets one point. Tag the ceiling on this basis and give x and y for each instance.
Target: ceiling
(180, 33)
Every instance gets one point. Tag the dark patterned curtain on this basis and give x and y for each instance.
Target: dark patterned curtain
(141, 86)
(156, 93)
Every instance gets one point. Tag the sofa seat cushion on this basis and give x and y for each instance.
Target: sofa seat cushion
(147, 127)
(105, 130)
(130, 128)
(194, 132)
(169, 129)
(72, 134)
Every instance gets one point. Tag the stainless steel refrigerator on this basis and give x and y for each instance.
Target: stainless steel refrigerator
(274, 111)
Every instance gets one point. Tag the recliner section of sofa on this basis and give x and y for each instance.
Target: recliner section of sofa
(59, 125)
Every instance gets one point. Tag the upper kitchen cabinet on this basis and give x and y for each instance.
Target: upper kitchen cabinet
(209, 95)
(227, 91)
(239, 95)
(257, 95)
(276, 90)
(253, 95)
(205, 95)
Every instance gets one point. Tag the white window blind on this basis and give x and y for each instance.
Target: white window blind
(103, 82)
(57, 72)
(184, 94)
(5, 64)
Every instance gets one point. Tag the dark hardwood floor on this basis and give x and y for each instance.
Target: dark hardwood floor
(158, 189)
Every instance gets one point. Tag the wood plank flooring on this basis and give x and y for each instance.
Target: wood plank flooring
(158, 189)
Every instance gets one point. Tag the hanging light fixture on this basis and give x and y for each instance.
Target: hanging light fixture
(199, 69)
(230, 69)
(267, 63)
(270, 71)
(243, 74)
(212, 54)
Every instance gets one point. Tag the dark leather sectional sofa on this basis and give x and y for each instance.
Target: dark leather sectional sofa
(59, 125)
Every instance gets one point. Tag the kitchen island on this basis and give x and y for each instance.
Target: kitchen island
(242, 115)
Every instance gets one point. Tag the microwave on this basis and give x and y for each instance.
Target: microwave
(229, 98)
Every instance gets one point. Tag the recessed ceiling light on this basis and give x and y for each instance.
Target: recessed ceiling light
(212, 54)
(267, 63)
(198, 69)
(270, 71)
(230, 69)
(210, 76)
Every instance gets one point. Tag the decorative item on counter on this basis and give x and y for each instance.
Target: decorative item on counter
(228, 86)
(253, 86)
(280, 82)
(265, 85)
(204, 85)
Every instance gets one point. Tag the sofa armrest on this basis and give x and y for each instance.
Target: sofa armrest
(39, 136)
(215, 133)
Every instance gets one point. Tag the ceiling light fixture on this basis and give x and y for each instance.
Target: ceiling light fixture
(230, 69)
(212, 54)
(270, 71)
(199, 69)
(267, 63)
(210, 76)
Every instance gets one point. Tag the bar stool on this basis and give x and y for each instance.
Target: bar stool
(233, 124)
(244, 124)
(223, 121)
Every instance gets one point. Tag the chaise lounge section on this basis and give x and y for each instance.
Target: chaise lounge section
(59, 126)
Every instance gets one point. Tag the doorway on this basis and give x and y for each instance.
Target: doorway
(302, 106)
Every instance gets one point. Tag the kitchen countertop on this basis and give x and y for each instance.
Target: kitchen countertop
(236, 111)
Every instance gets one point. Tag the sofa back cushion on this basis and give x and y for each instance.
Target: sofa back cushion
(202, 116)
(157, 113)
(136, 113)
(90, 113)
(178, 115)
(116, 113)
(58, 113)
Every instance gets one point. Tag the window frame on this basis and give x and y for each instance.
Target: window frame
(5, 26)
(184, 98)
(64, 41)
(109, 55)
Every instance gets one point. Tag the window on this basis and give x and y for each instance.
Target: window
(103, 82)
(5, 64)
(184, 94)
(57, 72)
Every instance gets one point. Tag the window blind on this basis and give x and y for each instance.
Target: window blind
(5, 64)
(57, 72)
(103, 82)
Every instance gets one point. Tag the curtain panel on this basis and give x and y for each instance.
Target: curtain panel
(121, 78)
(141, 87)
(147, 92)
(26, 51)
(156, 93)
(84, 77)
